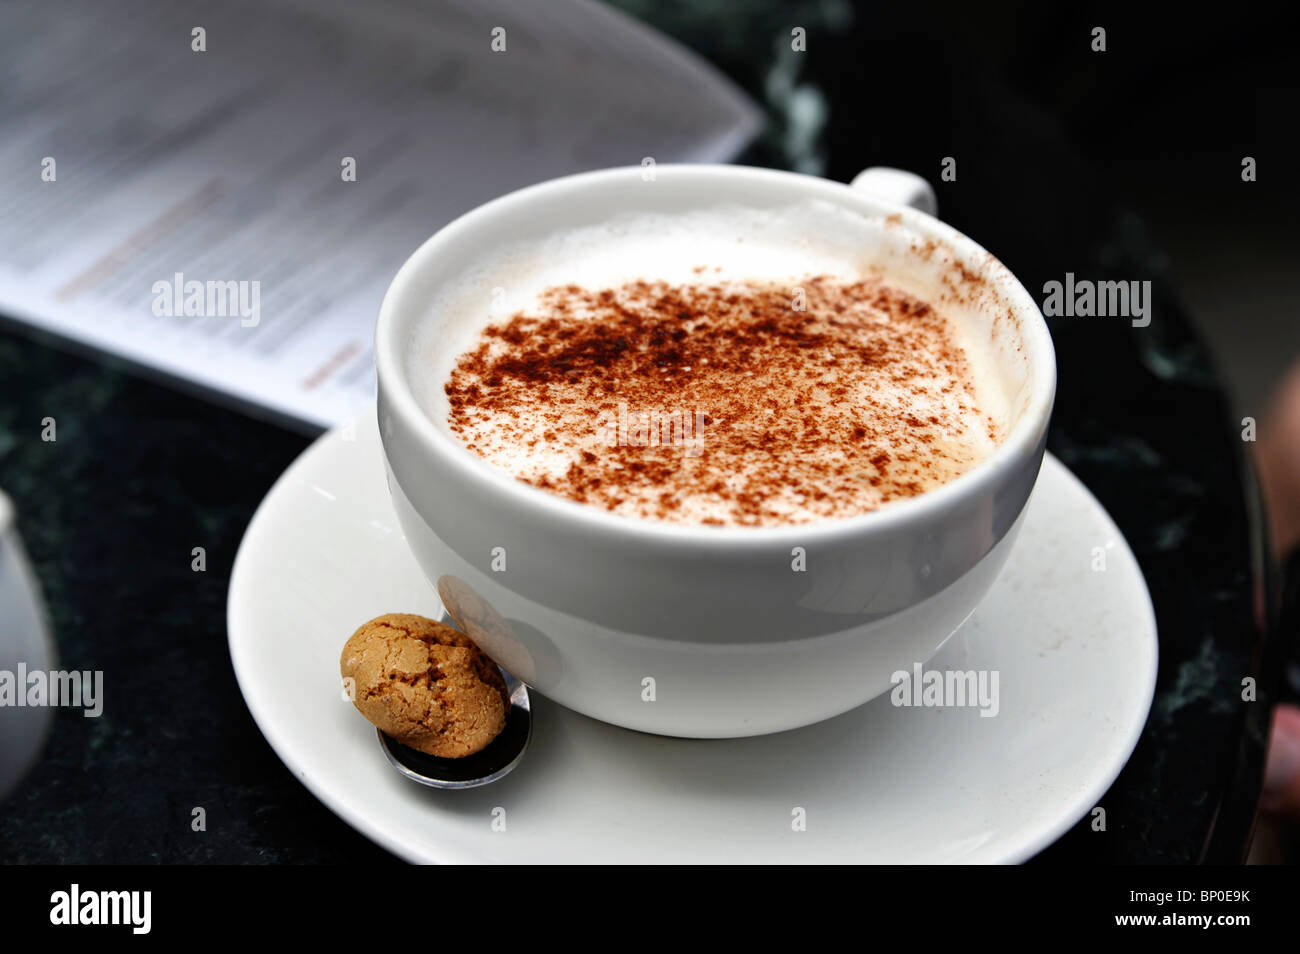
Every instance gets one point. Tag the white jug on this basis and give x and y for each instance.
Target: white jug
(24, 640)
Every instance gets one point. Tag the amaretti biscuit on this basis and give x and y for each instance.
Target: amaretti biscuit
(425, 684)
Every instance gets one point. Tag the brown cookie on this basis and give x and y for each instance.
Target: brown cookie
(425, 684)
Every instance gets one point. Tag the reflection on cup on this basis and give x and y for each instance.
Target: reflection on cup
(478, 620)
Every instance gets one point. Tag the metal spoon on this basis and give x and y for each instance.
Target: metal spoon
(482, 768)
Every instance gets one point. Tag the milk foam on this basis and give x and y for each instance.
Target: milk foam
(715, 245)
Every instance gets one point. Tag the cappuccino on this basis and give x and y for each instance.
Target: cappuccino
(728, 366)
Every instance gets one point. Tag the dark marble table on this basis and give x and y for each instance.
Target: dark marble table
(141, 473)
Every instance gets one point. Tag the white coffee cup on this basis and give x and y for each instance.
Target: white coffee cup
(24, 642)
(707, 631)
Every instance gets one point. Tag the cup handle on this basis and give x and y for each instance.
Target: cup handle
(897, 186)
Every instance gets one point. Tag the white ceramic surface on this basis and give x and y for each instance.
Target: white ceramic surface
(1075, 651)
(24, 639)
(592, 605)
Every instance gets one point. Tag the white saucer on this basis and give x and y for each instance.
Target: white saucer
(1074, 647)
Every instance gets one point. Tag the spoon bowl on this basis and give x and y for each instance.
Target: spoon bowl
(482, 768)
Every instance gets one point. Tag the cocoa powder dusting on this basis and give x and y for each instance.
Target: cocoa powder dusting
(739, 403)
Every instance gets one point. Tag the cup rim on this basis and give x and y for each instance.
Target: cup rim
(1018, 444)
